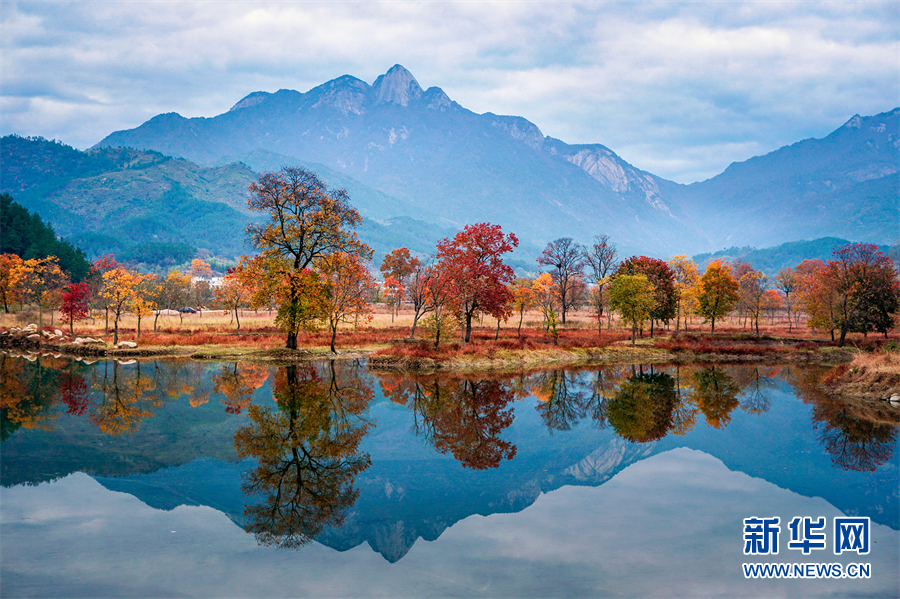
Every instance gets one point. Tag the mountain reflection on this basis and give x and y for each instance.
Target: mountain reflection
(307, 450)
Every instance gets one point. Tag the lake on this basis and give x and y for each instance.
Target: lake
(174, 478)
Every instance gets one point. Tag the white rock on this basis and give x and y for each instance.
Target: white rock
(895, 398)
(127, 361)
(31, 327)
(57, 332)
(34, 337)
(47, 334)
(127, 344)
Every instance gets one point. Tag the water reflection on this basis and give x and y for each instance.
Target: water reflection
(460, 415)
(859, 437)
(643, 406)
(236, 384)
(307, 451)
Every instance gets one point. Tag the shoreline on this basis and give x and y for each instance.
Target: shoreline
(500, 360)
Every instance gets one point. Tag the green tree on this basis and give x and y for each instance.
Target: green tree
(632, 297)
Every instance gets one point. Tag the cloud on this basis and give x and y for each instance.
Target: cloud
(667, 526)
(678, 89)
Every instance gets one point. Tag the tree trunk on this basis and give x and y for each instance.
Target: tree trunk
(116, 331)
(497, 334)
(40, 317)
(139, 328)
(155, 319)
(468, 327)
(291, 341)
(237, 319)
(519, 329)
(333, 335)
(106, 323)
(713, 326)
(651, 328)
(71, 329)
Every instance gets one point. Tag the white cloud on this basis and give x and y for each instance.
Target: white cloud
(681, 88)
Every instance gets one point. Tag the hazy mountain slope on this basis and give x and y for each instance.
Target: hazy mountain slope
(439, 160)
(115, 200)
(771, 260)
(844, 185)
(120, 198)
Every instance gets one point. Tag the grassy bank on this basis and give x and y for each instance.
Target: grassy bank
(386, 343)
(868, 376)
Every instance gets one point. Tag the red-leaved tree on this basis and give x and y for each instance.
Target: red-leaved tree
(75, 304)
(472, 259)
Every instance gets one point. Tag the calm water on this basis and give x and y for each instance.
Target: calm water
(175, 478)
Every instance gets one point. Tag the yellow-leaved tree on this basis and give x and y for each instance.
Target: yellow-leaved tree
(120, 290)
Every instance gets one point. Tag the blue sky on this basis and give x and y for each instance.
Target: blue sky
(678, 89)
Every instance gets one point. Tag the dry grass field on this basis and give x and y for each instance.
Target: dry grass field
(216, 328)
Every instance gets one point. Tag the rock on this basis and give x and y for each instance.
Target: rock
(127, 345)
(31, 327)
(127, 361)
(46, 334)
(58, 333)
(34, 337)
(895, 398)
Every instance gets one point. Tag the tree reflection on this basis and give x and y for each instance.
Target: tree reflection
(459, 415)
(307, 450)
(643, 406)
(755, 383)
(237, 383)
(28, 391)
(716, 395)
(561, 403)
(857, 436)
(124, 398)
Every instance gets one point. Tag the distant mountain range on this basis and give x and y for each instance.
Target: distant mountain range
(415, 155)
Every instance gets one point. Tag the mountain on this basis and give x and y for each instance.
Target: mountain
(771, 260)
(111, 199)
(844, 185)
(418, 166)
(438, 160)
(146, 207)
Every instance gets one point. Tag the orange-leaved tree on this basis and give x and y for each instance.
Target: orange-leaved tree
(10, 279)
(306, 222)
(40, 276)
(523, 299)
(348, 287)
(718, 292)
(120, 287)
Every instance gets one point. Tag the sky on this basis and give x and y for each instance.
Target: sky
(680, 89)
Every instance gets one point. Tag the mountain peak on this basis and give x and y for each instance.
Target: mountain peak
(250, 100)
(854, 122)
(397, 86)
